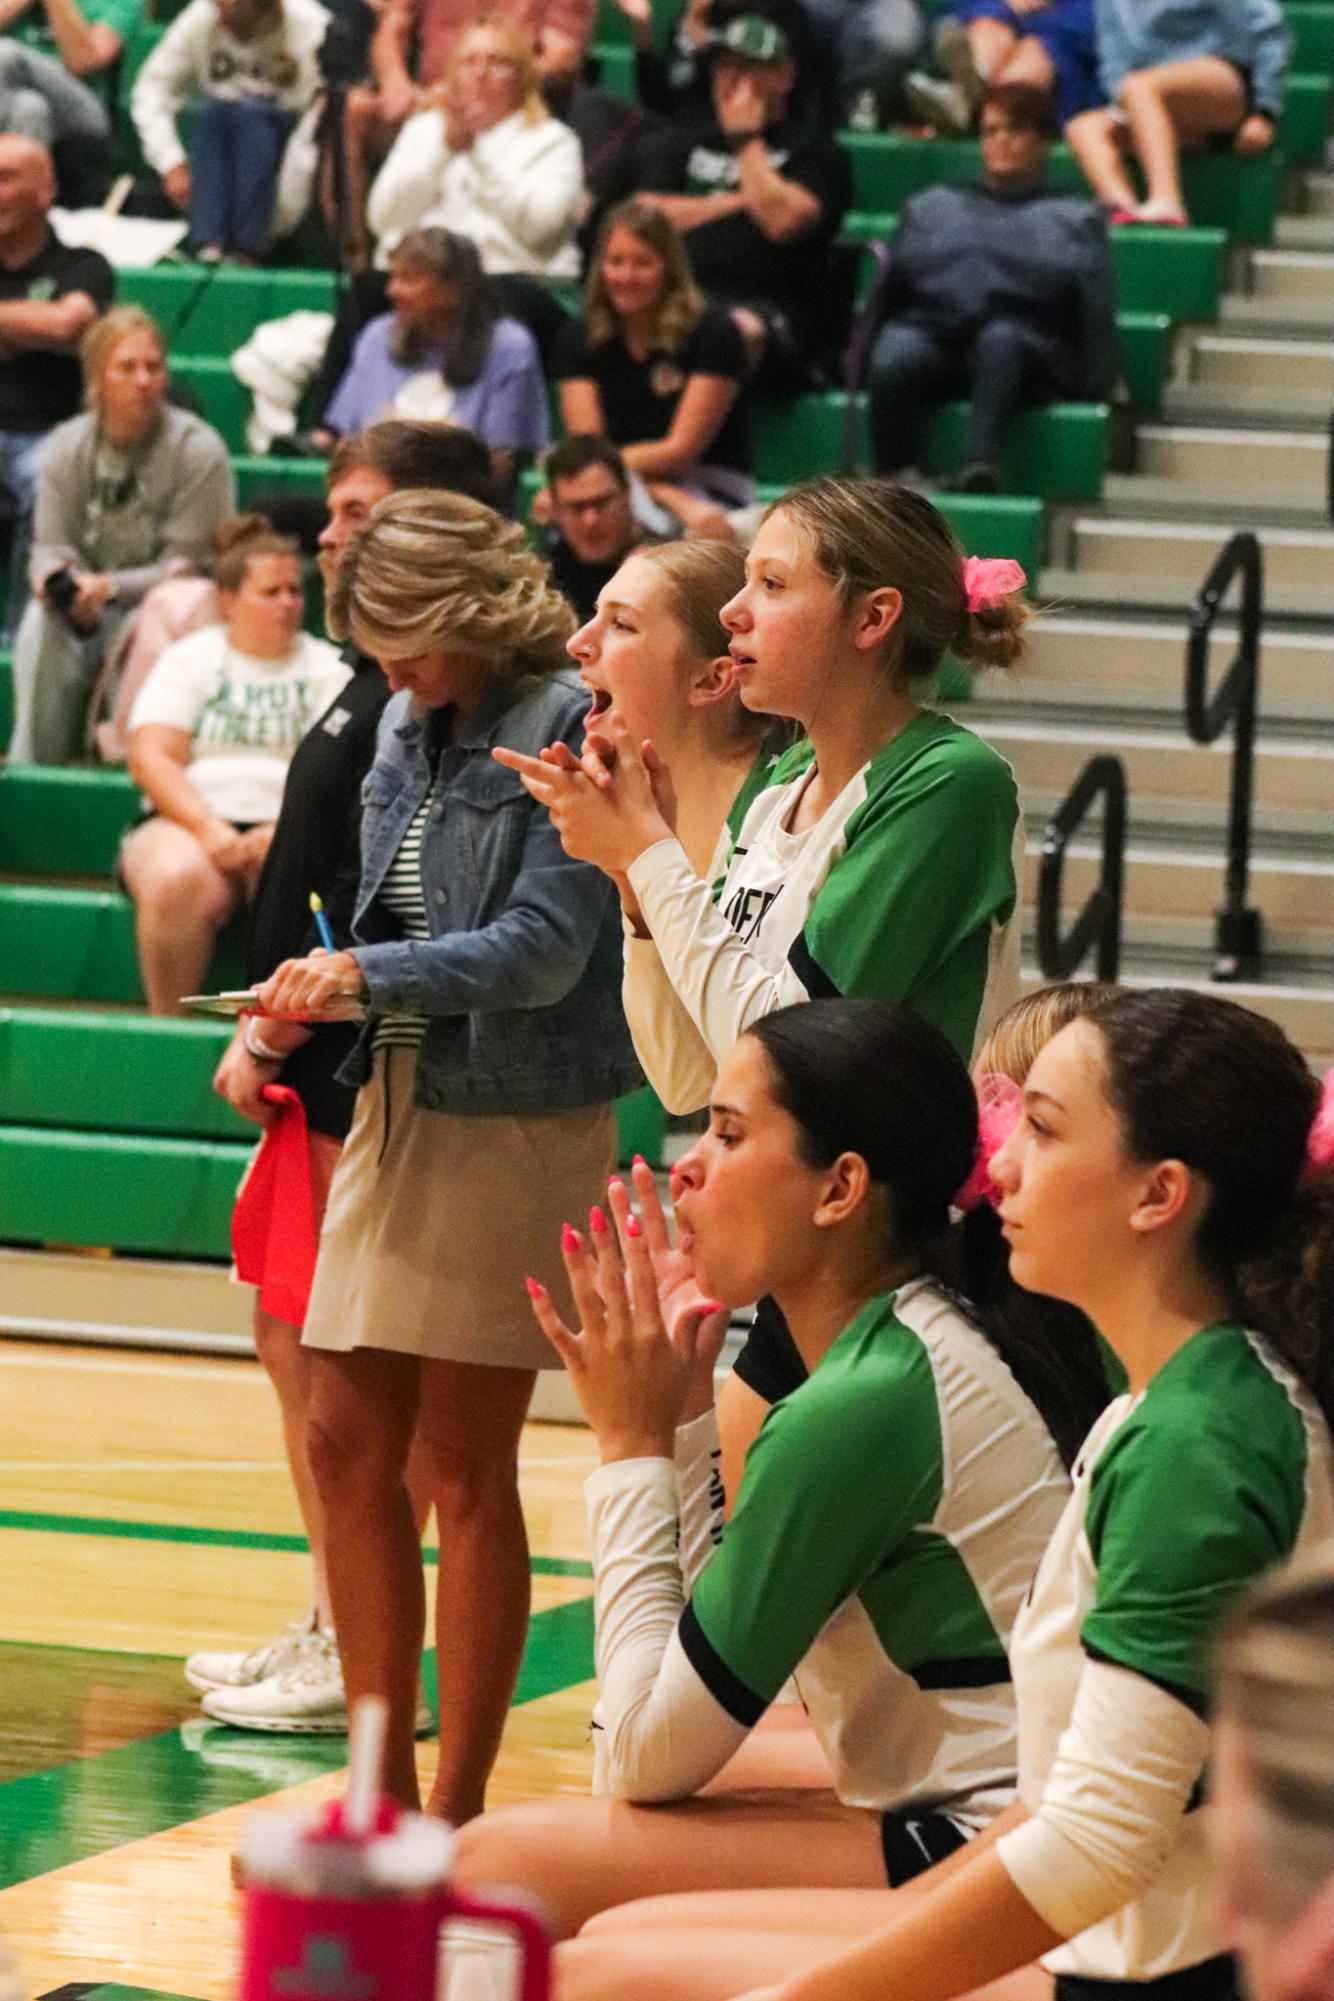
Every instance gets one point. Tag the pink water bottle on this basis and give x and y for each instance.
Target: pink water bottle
(347, 1904)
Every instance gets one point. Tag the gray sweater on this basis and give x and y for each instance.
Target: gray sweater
(135, 515)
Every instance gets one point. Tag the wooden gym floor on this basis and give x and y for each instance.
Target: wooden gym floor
(144, 1512)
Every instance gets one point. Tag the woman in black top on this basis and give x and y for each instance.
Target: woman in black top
(654, 367)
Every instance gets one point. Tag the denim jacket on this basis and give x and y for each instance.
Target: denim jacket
(521, 974)
(1143, 34)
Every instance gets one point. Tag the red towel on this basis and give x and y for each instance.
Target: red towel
(274, 1239)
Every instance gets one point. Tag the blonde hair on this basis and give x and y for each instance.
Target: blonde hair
(519, 48)
(868, 534)
(1019, 1035)
(681, 305)
(1276, 1685)
(433, 571)
(700, 577)
(102, 339)
(239, 541)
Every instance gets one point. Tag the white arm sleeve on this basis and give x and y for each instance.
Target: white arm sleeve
(1125, 1768)
(721, 983)
(699, 1487)
(663, 1735)
(675, 1057)
(534, 190)
(409, 182)
(171, 76)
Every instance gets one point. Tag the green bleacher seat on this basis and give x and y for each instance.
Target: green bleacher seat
(255, 477)
(208, 385)
(214, 309)
(63, 822)
(1146, 356)
(78, 944)
(1312, 25)
(615, 63)
(1303, 130)
(108, 1072)
(1222, 191)
(6, 700)
(1058, 453)
(159, 1197)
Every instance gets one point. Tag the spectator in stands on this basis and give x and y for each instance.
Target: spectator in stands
(249, 70)
(42, 100)
(413, 49)
(674, 81)
(486, 158)
(211, 736)
(49, 297)
(443, 354)
(658, 369)
(1047, 44)
(1175, 79)
(592, 518)
(758, 199)
(129, 493)
(293, 1680)
(1003, 291)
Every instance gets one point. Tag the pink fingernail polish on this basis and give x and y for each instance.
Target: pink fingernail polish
(598, 1220)
(632, 1228)
(569, 1239)
(535, 1291)
(639, 1161)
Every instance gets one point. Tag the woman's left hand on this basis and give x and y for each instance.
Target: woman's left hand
(605, 810)
(327, 986)
(631, 1376)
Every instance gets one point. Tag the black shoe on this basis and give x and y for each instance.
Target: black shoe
(980, 476)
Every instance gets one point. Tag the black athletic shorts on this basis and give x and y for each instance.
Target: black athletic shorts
(912, 1841)
(770, 1362)
(1211, 1980)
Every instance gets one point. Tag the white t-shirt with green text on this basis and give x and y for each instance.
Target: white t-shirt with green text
(245, 717)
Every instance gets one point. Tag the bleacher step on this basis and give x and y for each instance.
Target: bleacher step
(1091, 662)
(1277, 366)
(1304, 232)
(1141, 497)
(1184, 550)
(1121, 591)
(1169, 887)
(1298, 275)
(1260, 406)
(1237, 459)
(1273, 317)
(1300, 1001)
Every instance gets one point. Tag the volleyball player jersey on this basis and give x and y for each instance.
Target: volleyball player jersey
(905, 889)
(891, 1515)
(1182, 1495)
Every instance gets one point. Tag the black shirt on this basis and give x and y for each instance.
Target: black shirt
(38, 388)
(316, 846)
(639, 398)
(676, 82)
(580, 582)
(732, 258)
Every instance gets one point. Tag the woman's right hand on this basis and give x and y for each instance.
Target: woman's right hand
(241, 1077)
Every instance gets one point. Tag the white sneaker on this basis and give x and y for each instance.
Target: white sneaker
(206, 1671)
(305, 1695)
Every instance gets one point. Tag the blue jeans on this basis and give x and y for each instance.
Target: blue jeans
(236, 150)
(18, 484)
(1006, 366)
(874, 45)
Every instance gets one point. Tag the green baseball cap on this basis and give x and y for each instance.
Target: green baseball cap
(754, 38)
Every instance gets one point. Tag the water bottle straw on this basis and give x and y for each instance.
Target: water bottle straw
(365, 1762)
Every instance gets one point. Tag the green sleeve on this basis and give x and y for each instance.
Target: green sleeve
(1183, 1513)
(906, 912)
(121, 16)
(823, 1501)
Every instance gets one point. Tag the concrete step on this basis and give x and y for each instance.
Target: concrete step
(1304, 232)
(1239, 361)
(1296, 607)
(1316, 189)
(1140, 497)
(1305, 275)
(1259, 406)
(1294, 776)
(1274, 316)
(1093, 662)
(1236, 459)
(1298, 998)
(1171, 897)
(1184, 550)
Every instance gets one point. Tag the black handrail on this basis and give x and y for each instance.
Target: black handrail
(1099, 922)
(1238, 928)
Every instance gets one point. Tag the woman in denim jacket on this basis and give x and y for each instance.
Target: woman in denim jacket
(489, 966)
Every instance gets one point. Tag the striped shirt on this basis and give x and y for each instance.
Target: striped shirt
(403, 897)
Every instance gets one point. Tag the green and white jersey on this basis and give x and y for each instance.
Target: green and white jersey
(889, 1520)
(1182, 1495)
(905, 889)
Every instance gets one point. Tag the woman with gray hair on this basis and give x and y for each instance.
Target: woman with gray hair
(442, 353)
(128, 493)
(489, 968)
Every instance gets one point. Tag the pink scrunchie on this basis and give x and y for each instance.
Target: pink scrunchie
(1000, 1104)
(988, 579)
(1320, 1143)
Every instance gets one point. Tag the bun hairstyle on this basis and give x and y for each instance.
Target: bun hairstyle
(239, 540)
(432, 571)
(869, 533)
(859, 1077)
(1199, 1079)
(1276, 1688)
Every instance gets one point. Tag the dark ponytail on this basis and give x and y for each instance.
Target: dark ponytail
(1199, 1079)
(860, 1077)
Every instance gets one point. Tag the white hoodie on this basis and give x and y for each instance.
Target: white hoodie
(197, 57)
(517, 191)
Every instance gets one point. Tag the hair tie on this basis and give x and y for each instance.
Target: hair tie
(1000, 1104)
(1320, 1140)
(988, 579)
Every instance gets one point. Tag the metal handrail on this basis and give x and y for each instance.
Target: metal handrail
(1238, 927)
(1099, 922)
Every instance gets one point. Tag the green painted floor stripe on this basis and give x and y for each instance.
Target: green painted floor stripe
(262, 1539)
(82, 1808)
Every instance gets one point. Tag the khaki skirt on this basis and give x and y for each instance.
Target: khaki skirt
(434, 1222)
